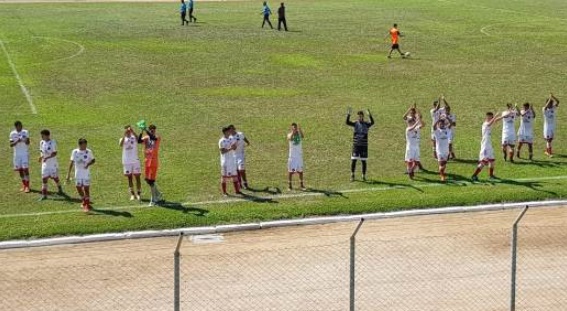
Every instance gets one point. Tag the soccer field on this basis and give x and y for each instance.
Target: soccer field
(91, 68)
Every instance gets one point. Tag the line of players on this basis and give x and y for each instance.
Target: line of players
(444, 123)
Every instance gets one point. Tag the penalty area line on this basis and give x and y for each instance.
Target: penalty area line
(281, 196)
(24, 89)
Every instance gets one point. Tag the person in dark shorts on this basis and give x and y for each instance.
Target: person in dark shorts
(359, 141)
(395, 35)
(266, 12)
(192, 17)
(281, 17)
(183, 11)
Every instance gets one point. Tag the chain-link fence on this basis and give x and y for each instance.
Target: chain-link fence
(439, 262)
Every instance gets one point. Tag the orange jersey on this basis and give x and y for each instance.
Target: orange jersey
(394, 34)
(151, 149)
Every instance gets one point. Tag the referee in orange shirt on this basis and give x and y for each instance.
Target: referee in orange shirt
(395, 34)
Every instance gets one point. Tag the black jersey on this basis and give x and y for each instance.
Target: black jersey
(360, 135)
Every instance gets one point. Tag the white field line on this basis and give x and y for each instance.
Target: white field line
(275, 197)
(81, 50)
(17, 75)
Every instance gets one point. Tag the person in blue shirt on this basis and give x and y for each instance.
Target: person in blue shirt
(266, 12)
(192, 17)
(183, 11)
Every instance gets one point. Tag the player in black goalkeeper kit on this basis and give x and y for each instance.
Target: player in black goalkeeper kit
(359, 141)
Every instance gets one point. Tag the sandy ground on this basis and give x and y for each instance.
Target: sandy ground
(449, 262)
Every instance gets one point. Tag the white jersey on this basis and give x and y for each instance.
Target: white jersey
(486, 151)
(453, 119)
(81, 158)
(413, 138)
(228, 159)
(549, 122)
(435, 113)
(130, 150)
(21, 148)
(442, 143)
(508, 128)
(238, 138)
(295, 156)
(526, 129)
(47, 148)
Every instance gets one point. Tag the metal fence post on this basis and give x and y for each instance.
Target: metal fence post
(352, 264)
(176, 275)
(514, 255)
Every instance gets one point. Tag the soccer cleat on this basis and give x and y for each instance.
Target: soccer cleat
(152, 203)
(27, 189)
(239, 193)
(139, 197)
(289, 188)
(411, 174)
(474, 178)
(531, 157)
(132, 197)
(60, 190)
(86, 208)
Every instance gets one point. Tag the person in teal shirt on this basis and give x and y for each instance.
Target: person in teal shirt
(266, 12)
(192, 17)
(183, 11)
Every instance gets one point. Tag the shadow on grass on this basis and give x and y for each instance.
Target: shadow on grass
(465, 161)
(392, 184)
(111, 213)
(67, 198)
(539, 163)
(533, 185)
(268, 190)
(176, 206)
(257, 199)
(327, 193)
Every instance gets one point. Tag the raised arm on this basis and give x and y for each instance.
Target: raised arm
(71, 164)
(555, 99)
(371, 118)
(348, 121)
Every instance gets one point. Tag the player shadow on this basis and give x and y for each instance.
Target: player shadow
(176, 206)
(111, 213)
(533, 185)
(452, 180)
(268, 190)
(464, 161)
(67, 198)
(538, 163)
(256, 199)
(327, 193)
(392, 184)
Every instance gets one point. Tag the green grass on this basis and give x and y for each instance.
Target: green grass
(140, 63)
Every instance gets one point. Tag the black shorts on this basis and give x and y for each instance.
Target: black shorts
(359, 153)
(395, 46)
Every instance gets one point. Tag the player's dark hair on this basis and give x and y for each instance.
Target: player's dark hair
(395, 25)
(45, 132)
(490, 114)
(152, 127)
(82, 141)
(360, 113)
(225, 129)
(17, 123)
(435, 102)
(294, 124)
(526, 104)
(230, 127)
(126, 127)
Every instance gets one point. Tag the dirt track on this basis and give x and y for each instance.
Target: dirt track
(449, 262)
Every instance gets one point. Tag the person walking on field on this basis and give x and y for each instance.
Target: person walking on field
(192, 17)
(266, 12)
(183, 11)
(281, 17)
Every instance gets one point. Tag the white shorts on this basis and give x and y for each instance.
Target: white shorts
(132, 168)
(548, 132)
(486, 155)
(49, 171)
(451, 136)
(228, 170)
(525, 138)
(509, 139)
(442, 156)
(412, 154)
(295, 165)
(21, 162)
(241, 163)
(83, 182)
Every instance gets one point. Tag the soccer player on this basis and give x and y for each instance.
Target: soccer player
(227, 148)
(486, 156)
(131, 162)
(411, 115)
(442, 132)
(183, 11)
(549, 122)
(359, 141)
(20, 141)
(82, 159)
(281, 17)
(526, 130)
(151, 141)
(509, 131)
(192, 17)
(452, 119)
(49, 165)
(266, 12)
(395, 35)
(434, 113)
(295, 159)
(241, 142)
(413, 137)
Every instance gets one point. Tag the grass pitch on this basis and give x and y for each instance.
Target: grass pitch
(93, 67)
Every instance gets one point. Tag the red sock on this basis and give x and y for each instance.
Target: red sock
(236, 186)
(223, 186)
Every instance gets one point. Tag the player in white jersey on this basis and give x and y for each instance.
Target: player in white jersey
(241, 143)
(442, 132)
(20, 141)
(131, 162)
(410, 117)
(49, 164)
(509, 131)
(295, 158)
(227, 148)
(452, 119)
(549, 111)
(413, 138)
(486, 156)
(82, 159)
(434, 113)
(526, 130)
